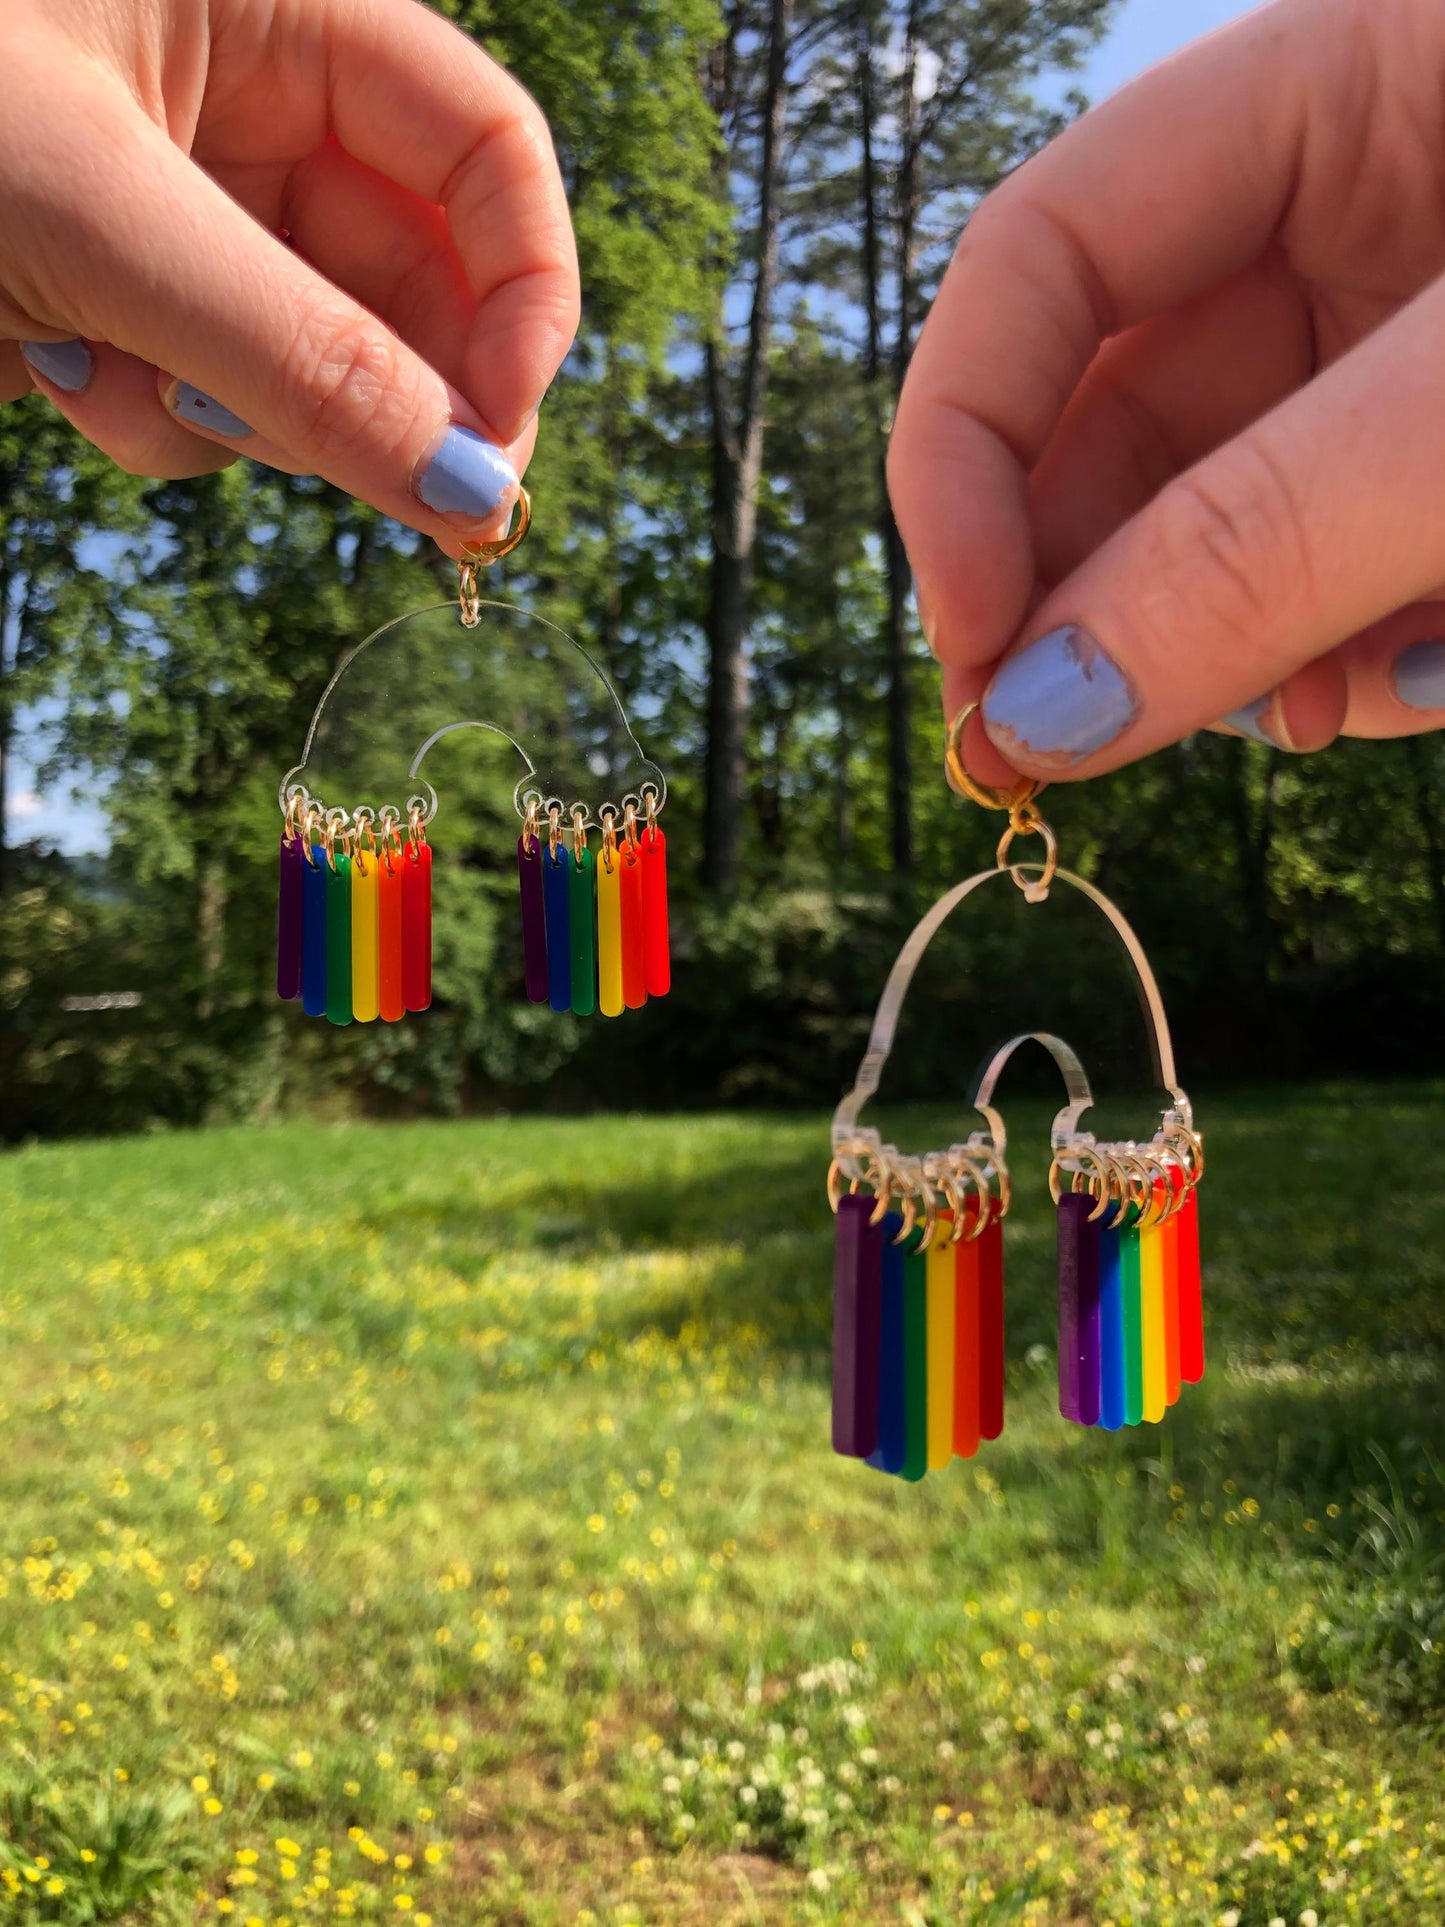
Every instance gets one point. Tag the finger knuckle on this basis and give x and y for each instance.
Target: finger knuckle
(350, 383)
(1230, 541)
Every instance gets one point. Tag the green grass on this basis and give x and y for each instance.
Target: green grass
(437, 1523)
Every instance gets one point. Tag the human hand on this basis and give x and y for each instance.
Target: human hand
(1173, 440)
(157, 157)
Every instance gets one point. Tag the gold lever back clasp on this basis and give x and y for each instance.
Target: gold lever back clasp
(483, 554)
(1023, 817)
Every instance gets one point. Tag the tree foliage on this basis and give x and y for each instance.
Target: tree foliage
(165, 645)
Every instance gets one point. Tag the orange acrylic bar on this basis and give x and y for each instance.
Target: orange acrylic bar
(391, 1000)
(634, 972)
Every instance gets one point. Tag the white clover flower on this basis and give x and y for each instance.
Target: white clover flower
(843, 1802)
(892, 1784)
(946, 1749)
(868, 1755)
(847, 1773)
(854, 1716)
(1114, 1730)
(671, 1784)
(1279, 1921)
(736, 1750)
(818, 1880)
(1196, 1663)
(800, 1736)
(748, 1795)
(1230, 1918)
(1094, 1737)
(686, 1822)
(776, 1734)
(1309, 1918)
(814, 1817)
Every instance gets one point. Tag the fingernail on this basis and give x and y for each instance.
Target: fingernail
(1059, 700)
(1252, 721)
(465, 475)
(67, 364)
(1420, 675)
(194, 405)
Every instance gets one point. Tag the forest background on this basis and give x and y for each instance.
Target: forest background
(765, 197)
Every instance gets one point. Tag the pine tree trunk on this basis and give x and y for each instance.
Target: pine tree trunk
(884, 393)
(737, 446)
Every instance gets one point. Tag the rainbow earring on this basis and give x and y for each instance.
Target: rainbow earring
(918, 1271)
(354, 922)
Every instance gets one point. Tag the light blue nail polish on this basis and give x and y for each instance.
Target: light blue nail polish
(68, 364)
(194, 405)
(1249, 721)
(466, 475)
(1420, 675)
(1059, 700)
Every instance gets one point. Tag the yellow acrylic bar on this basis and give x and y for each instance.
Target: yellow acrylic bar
(609, 933)
(1151, 1282)
(941, 1307)
(365, 937)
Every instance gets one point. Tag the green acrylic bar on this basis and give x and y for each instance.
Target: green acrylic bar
(915, 1358)
(1132, 1294)
(338, 941)
(582, 923)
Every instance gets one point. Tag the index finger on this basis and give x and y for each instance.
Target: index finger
(1176, 183)
(413, 97)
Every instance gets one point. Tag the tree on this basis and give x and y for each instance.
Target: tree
(929, 104)
(61, 578)
(748, 86)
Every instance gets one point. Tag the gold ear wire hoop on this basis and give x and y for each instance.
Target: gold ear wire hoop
(1024, 791)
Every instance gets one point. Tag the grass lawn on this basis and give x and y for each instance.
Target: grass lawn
(437, 1524)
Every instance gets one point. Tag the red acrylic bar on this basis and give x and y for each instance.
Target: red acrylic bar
(990, 1330)
(389, 941)
(416, 925)
(1169, 1252)
(1191, 1296)
(965, 1341)
(656, 952)
(857, 1326)
(634, 974)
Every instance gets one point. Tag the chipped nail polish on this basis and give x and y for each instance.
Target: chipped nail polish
(67, 365)
(465, 475)
(195, 405)
(1058, 700)
(1250, 721)
(1419, 675)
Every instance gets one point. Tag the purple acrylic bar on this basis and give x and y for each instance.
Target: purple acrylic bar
(1079, 1260)
(289, 921)
(857, 1326)
(534, 918)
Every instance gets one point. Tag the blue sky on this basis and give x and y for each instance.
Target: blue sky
(1146, 30)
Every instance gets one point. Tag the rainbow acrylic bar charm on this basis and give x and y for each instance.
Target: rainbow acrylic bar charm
(594, 928)
(1130, 1219)
(917, 1361)
(918, 1267)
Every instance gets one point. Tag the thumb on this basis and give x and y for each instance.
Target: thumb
(1324, 516)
